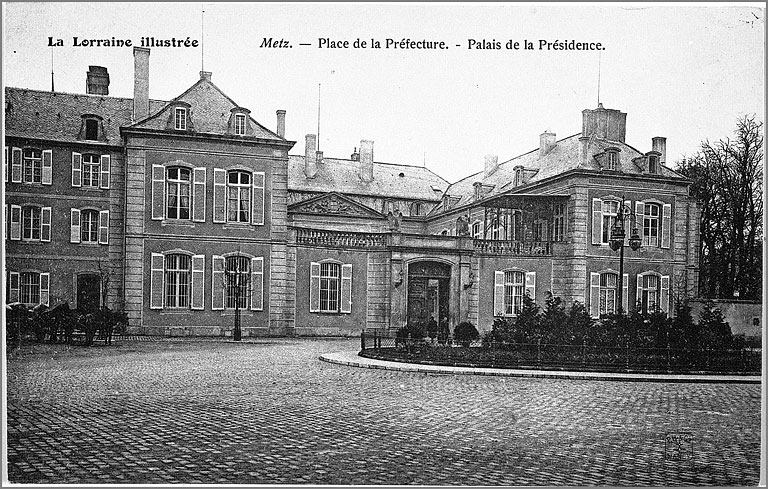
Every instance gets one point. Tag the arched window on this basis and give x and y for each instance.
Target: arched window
(651, 214)
(180, 119)
(177, 280)
(610, 209)
(238, 196)
(514, 289)
(33, 166)
(649, 295)
(89, 226)
(91, 170)
(237, 276)
(608, 285)
(330, 285)
(178, 183)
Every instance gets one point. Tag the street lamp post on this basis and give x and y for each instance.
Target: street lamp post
(616, 240)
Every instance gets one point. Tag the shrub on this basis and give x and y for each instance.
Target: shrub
(715, 332)
(528, 321)
(465, 333)
(554, 321)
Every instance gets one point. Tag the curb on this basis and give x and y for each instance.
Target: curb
(351, 359)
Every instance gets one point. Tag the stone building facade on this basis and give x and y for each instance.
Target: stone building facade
(181, 211)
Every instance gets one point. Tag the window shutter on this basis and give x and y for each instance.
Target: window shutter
(74, 225)
(198, 282)
(47, 167)
(156, 279)
(217, 283)
(498, 293)
(666, 225)
(219, 195)
(639, 292)
(594, 294)
(103, 227)
(45, 224)
(105, 171)
(664, 295)
(158, 192)
(16, 165)
(257, 216)
(257, 284)
(15, 222)
(5, 223)
(13, 295)
(45, 289)
(5, 164)
(597, 221)
(639, 209)
(625, 293)
(314, 287)
(530, 284)
(77, 169)
(198, 199)
(346, 288)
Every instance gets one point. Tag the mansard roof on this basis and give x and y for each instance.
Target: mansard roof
(57, 116)
(210, 112)
(563, 157)
(343, 176)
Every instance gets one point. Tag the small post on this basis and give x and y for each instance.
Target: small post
(375, 338)
(584, 352)
(362, 340)
(538, 351)
(627, 353)
(669, 358)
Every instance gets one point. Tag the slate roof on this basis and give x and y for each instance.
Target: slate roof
(563, 157)
(210, 113)
(343, 176)
(57, 116)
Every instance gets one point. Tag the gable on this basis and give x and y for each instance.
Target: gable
(334, 204)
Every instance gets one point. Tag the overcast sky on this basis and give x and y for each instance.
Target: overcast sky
(683, 72)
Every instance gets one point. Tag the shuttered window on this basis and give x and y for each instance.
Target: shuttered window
(89, 226)
(91, 170)
(33, 166)
(177, 280)
(238, 277)
(178, 196)
(509, 288)
(651, 215)
(330, 287)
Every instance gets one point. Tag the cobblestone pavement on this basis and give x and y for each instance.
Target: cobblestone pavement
(269, 412)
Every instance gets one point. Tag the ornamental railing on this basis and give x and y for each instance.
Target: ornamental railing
(512, 247)
(340, 238)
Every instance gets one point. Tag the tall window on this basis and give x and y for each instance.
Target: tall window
(239, 196)
(613, 160)
(514, 289)
(477, 230)
(650, 294)
(180, 119)
(330, 275)
(33, 166)
(651, 225)
(91, 168)
(178, 190)
(238, 269)
(177, 281)
(89, 226)
(30, 223)
(240, 124)
(610, 209)
(30, 288)
(608, 284)
(416, 209)
(558, 227)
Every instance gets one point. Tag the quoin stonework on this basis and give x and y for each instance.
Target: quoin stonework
(151, 207)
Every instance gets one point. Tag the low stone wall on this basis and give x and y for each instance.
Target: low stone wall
(744, 317)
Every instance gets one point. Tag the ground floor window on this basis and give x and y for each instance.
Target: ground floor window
(238, 283)
(608, 285)
(177, 281)
(30, 288)
(514, 289)
(650, 294)
(330, 275)
(330, 287)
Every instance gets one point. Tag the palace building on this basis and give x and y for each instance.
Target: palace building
(181, 211)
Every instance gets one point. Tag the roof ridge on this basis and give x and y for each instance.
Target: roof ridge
(78, 94)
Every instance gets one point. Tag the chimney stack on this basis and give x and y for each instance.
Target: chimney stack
(355, 156)
(604, 123)
(546, 142)
(281, 123)
(97, 81)
(140, 83)
(205, 75)
(366, 160)
(491, 164)
(310, 156)
(660, 144)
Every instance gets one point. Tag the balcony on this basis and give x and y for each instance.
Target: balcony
(512, 247)
(342, 239)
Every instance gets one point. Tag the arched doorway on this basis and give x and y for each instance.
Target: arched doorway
(428, 293)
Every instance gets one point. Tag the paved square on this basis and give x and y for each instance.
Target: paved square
(268, 412)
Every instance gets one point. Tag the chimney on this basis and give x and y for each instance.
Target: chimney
(366, 160)
(604, 123)
(546, 142)
(355, 156)
(310, 156)
(205, 75)
(140, 83)
(491, 164)
(584, 150)
(319, 157)
(478, 186)
(660, 144)
(97, 81)
(281, 123)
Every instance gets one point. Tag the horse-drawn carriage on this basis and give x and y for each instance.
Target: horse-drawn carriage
(61, 324)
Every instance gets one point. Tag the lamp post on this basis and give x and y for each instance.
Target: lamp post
(236, 282)
(618, 234)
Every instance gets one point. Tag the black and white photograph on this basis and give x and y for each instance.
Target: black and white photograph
(383, 244)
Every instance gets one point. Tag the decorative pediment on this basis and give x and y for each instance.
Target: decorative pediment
(334, 204)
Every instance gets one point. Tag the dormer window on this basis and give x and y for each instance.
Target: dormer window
(240, 124)
(518, 177)
(91, 129)
(653, 164)
(611, 159)
(180, 119)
